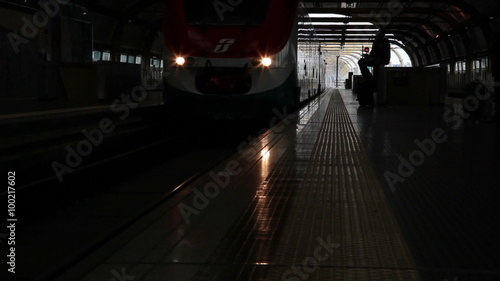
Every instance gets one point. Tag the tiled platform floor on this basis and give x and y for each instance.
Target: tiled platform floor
(309, 200)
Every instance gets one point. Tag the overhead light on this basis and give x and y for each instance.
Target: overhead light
(319, 15)
(341, 23)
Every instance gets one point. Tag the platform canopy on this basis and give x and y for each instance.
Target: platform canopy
(429, 31)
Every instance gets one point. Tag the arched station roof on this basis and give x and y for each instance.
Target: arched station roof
(429, 31)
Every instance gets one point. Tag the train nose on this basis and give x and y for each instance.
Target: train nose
(223, 81)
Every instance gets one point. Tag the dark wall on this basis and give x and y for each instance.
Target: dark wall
(21, 73)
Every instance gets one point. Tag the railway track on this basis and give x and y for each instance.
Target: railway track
(144, 161)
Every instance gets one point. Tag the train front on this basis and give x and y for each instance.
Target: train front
(230, 57)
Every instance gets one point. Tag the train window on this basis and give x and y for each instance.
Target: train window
(138, 60)
(106, 56)
(96, 56)
(123, 58)
(221, 13)
(131, 59)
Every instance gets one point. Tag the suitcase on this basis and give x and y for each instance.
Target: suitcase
(365, 93)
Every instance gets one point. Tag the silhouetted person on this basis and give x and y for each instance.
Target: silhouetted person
(379, 55)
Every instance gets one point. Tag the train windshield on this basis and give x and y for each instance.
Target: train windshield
(226, 12)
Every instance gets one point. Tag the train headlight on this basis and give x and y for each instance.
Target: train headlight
(180, 61)
(266, 61)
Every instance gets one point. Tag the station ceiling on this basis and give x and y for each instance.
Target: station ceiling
(430, 31)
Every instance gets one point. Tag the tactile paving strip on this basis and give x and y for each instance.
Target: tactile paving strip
(328, 220)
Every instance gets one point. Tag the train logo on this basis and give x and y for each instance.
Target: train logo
(224, 45)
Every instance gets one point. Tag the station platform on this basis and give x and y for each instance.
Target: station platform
(323, 195)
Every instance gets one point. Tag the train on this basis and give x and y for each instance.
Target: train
(235, 58)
